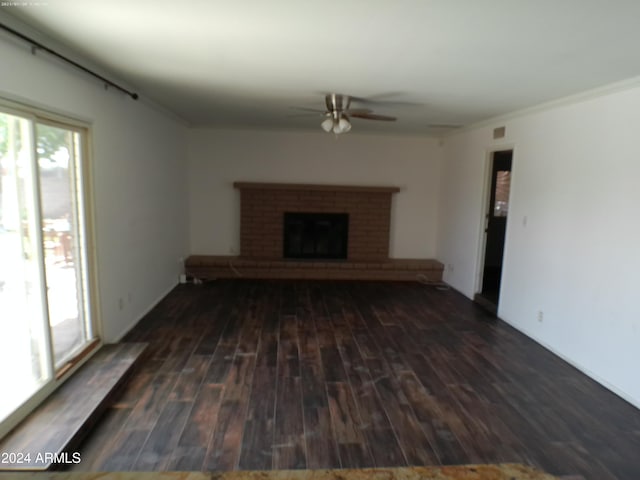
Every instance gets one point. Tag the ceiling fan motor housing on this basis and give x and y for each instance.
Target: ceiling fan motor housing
(337, 102)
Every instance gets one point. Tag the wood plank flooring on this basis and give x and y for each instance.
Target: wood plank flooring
(244, 374)
(60, 422)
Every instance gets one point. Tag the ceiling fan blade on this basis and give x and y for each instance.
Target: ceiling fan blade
(373, 116)
(384, 99)
(358, 111)
(306, 109)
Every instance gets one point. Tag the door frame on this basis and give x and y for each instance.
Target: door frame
(484, 211)
(35, 115)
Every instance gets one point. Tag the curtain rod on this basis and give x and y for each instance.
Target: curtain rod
(35, 44)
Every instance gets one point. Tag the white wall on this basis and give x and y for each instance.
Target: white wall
(139, 181)
(573, 233)
(217, 158)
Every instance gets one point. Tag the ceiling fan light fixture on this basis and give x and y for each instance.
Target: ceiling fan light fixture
(327, 124)
(337, 124)
(343, 125)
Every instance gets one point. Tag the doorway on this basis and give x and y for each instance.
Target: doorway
(45, 296)
(495, 230)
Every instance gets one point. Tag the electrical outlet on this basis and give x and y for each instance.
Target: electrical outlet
(540, 315)
(450, 267)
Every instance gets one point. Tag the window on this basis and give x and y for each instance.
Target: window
(45, 320)
(503, 185)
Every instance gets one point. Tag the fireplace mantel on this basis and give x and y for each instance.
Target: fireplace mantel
(314, 187)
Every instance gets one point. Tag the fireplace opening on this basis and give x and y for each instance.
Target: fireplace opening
(316, 235)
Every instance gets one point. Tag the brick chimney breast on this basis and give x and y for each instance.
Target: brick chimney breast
(263, 205)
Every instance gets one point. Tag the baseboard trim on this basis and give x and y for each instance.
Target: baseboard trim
(597, 378)
(139, 317)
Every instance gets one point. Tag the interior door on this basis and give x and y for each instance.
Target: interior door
(496, 225)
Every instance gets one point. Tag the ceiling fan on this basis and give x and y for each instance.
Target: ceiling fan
(339, 112)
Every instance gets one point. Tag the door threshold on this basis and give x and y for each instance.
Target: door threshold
(487, 304)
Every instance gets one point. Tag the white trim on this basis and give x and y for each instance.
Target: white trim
(583, 96)
(484, 211)
(91, 236)
(625, 396)
(39, 251)
(135, 320)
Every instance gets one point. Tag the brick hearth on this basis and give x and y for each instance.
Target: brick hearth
(209, 267)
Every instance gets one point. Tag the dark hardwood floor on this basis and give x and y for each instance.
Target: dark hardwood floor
(246, 374)
(61, 421)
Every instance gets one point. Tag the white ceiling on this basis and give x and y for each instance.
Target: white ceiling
(245, 63)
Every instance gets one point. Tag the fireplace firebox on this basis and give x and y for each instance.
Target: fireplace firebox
(316, 235)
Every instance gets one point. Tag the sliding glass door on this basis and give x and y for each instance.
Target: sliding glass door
(24, 336)
(45, 319)
(59, 158)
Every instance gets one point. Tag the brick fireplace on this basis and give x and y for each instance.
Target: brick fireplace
(263, 207)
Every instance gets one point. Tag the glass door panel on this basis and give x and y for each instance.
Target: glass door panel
(45, 320)
(58, 151)
(24, 342)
